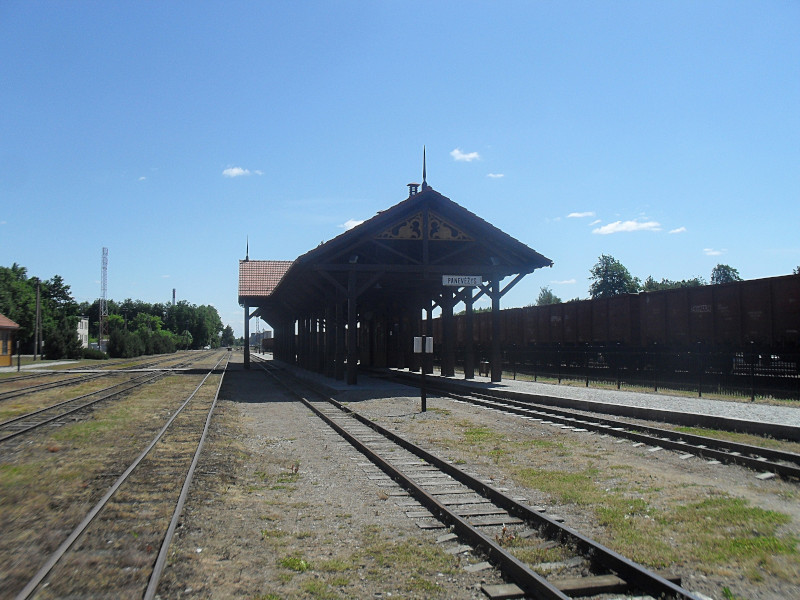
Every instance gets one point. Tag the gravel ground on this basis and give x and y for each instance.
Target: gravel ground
(281, 509)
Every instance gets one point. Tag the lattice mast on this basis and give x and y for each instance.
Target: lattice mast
(102, 338)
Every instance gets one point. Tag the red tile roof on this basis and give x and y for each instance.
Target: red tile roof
(259, 277)
(6, 323)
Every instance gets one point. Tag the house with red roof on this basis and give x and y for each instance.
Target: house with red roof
(7, 329)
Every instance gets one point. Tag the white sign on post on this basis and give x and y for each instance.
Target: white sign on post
(428, 345)
(461, 280)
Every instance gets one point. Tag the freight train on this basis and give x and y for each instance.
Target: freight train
(735, 318)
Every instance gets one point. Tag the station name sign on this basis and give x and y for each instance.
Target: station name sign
(461, 280)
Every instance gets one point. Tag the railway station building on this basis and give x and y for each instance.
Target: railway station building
(7, 330)
(362, 297)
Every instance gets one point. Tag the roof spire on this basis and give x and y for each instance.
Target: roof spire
(247, 256)
(424, 182)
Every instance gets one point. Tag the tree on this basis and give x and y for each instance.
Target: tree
(611, 278)
(61, 340)
(546, 296)
(651, 285)
(227, 338)
(724, 274)
(796, 271)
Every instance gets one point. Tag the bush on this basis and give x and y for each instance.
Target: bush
(94, 354)
(124, 344)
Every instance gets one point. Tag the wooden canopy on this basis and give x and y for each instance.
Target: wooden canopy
(390, 265)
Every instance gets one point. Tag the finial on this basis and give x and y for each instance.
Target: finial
(247, 256)
(424, 182)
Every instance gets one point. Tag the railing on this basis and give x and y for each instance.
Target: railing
(748, 373)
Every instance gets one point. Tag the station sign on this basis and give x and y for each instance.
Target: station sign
(462, 280)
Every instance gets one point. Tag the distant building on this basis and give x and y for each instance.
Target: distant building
(83, 332)
(7, 329)
(256, 338)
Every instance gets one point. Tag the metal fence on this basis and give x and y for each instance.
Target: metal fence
(748, 373)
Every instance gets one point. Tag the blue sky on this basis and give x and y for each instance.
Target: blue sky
(666, 134)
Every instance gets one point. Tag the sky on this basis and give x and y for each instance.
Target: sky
(664, 134)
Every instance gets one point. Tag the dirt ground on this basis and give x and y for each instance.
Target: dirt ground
(281, 509)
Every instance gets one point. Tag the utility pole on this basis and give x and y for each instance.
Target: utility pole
(102, 336)
(38, 326)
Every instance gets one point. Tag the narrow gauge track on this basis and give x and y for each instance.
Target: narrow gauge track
(770, 460)
(76, 378)
(478, 513)
(22, 424)
(101, 557)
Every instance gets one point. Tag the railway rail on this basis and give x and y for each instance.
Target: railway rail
(765, 460)
(76, 376)
(110, 552)
(480, 514)
(32, 420)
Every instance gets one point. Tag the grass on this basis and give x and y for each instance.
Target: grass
(408, 566)
(643, 518)
(295, 563)
(742, 438)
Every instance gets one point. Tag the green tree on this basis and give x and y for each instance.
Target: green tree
(227, 338)
(796, 271)
(610, 278)
(546, 296)
(651, 285)
(724, 274)
(61, 339)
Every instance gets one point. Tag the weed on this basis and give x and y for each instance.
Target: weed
(505, 537)
(729, 595)
(319, 589)
(295, 563)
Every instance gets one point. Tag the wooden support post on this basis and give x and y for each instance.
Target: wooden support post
(330, 341)
(352, 330)
(497, 353)
(427, 359)
(338, 369)
(448, 341)
(246, 336)
(469, 340)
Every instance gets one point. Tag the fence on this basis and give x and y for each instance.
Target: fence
(702, 371)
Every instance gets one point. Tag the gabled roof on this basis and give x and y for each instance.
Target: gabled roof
(401, 252)
(258, 278)
(516, 252)
(6, 323)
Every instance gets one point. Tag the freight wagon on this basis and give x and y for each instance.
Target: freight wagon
(725, 331)
(764, 312)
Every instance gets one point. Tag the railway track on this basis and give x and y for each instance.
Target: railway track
(481, 517)
(57, 413)
(767, 461)
(119, 548)
(74, 377)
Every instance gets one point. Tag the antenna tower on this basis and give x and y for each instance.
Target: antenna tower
(102, 338)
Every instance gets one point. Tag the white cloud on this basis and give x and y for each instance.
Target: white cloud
(595, 222)
(142, 178)
(165, 277)
(458, 155)
(564, 282)
(623, 226)
(236, 172)
(350, 223)
(495, 175)
(679, 230)
(712, 252)
(580, 215)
